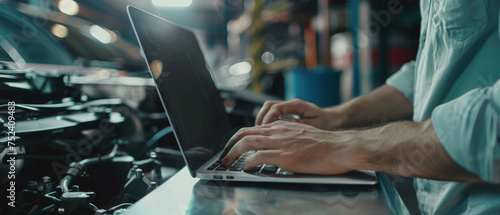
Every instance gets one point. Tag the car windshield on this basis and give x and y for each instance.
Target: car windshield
(23, 42)
(30, 34)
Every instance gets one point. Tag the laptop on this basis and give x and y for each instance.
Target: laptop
(195, 109)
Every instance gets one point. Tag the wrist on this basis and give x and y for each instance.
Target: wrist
(335, 117)
(367, 147)
(388, 148)
(345, 115)
(340, 116)
(355, 147)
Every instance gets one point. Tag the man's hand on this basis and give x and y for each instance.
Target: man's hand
(309, 113)
(293, 147)
(385, 104)
(402, 148)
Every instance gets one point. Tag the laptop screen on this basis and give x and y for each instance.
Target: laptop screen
(185, 86)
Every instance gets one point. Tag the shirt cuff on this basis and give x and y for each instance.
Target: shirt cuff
(404, 79)
(468, 129)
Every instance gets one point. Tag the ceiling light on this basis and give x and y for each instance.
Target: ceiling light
(172, 3)
(100, 34)
(240, 68)
(59, 31)
(69, 7)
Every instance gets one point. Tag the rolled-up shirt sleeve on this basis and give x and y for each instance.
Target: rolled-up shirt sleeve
(404, 79)
(469, 129)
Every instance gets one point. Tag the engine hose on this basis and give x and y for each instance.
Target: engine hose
(76, 168)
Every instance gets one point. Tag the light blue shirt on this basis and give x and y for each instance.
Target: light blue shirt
(455, 80)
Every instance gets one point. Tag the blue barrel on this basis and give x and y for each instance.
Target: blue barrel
(319, 85)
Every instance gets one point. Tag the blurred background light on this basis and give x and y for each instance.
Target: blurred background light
(239, 25)
(172, 3)
(59, 30)
(100, 34)
(104, 73)
(240, 68)
(267, 57)
(68, 7)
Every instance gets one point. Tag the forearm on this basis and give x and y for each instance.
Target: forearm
(407, 149)
(384, 104)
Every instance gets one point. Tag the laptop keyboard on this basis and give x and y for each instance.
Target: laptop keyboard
(238, 166)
